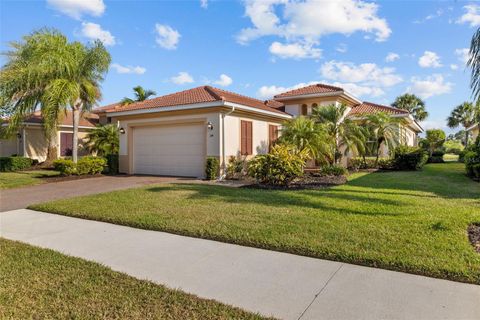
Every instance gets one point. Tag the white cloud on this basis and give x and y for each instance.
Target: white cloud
(430, 86)
(204, 4)
(367, 73)
(167, 37)
(77, 8)
(392, 56)
(267, 92)
(182, 78)
(342, 48)
(437, 14)
(294, 50)
(471, 16)
(224, 81)
(435, 124)
(463, 55)
(94, 31)
(429, 60)
(453, 66)
(128, 69)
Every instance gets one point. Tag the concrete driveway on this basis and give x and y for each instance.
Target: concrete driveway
(20, 198)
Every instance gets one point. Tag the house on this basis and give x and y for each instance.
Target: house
(474, 131)
(31, 142)
(173, 134)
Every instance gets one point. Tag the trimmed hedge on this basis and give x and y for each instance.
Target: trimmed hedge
(333, 170)
(409, 158)
(212, 167)
(14, 163)
(84, 166)
(472, 160)
(65, 166)
(112, 163)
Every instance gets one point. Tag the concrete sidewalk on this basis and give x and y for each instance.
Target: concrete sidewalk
(271, 283)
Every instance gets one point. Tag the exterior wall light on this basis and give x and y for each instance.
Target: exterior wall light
(122, 131)
(19, 136)
(209, 126)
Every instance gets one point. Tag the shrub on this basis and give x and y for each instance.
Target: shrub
(437, 156)
(112, 163)
(236, 167)
(386, 164)
(409, 158)
(211, 168)
(361, 163)
(65, 166)
(472, 160)
(333, 170)
(90, 165)
(281, 166)
(14, 163)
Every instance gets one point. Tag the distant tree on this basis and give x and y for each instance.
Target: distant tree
(434, 139)
(103, 140)
(463, 115)
(383, 131)
(412, 104)
(140, 95)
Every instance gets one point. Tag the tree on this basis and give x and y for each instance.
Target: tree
(464, 115)
(103, 140)
(47, 71)
(308, 136)
(140, 95)
(342, 133)
(412, 104)
(383, 131)
(434, 139)
(474, 64)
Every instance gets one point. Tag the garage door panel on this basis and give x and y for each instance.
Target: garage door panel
(170, 150)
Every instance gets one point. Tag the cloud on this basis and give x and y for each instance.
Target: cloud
(77, 8)
(182, 78)
(294, 50)
(392, 56)
(434, 124)
(342, 48)
(128, 69)
(94, 31)
(267, 92)
(437, 14)
(463, 55)
(430, 86)
(224, 81)
(471, 16)
(453, 66)
(166, 36)
(367, 73)
(429, 60)
(204, 4)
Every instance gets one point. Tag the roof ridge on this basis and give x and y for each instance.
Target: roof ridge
(318, 84)
(212, 92)
(236, 94)
(385, 106)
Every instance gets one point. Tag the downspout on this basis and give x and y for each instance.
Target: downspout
(224, 156)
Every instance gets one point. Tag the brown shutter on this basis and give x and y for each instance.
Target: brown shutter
(272, 134)
(249, 138)
(246, 137)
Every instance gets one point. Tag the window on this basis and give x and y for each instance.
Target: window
(272, 134)
(246, 138)
(304, 109)
(66, 144)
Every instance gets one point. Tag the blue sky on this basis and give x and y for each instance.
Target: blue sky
(377, 50)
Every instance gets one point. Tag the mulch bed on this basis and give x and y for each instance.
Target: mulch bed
(474, 236)
(309, 181)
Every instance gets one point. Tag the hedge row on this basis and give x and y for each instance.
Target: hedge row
(14, 163)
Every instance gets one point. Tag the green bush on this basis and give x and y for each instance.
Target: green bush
(361, 163)
(472, 160)
(281, 166)
(437, 156)
(112, 163)
(14, 163)
(333, 170)
(211, 168)
(236, 167)
(65, 166)
(409, 158)
(386, 163)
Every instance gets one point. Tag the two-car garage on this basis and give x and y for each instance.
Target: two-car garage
(170, 150)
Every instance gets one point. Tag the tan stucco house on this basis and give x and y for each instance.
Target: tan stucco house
(30, 140)
(175, 133)
(474, 131)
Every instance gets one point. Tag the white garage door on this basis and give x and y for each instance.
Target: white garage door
(173, 150)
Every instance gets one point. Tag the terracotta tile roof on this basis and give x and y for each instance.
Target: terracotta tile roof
(313, 89)
(87, 119)
(369, 108)
(192, 96)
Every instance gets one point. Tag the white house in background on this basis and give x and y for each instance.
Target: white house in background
(174, 134)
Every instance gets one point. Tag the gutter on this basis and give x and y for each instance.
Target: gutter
(224, 156)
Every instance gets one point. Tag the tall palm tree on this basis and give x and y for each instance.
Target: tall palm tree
(464, 115)
(383, 131)
(308, 136)
(343, 132)
(474, 64)
(412, 104)
(49, 72)
(103, 140)
(140, 95)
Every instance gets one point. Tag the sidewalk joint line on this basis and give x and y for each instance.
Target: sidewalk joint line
(321, 290)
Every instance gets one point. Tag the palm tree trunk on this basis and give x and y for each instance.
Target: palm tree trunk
(52, 151)
(76, 120)
(466, 138)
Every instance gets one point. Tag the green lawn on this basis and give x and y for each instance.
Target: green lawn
(408, 221)
(42, 284)
(17, 179)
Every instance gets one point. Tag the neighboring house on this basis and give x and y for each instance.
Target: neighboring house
(173, 134)
(474, 131)
(30, 141)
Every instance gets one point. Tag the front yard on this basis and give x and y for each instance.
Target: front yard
(18, 179)
(408, 221)
(42, 284)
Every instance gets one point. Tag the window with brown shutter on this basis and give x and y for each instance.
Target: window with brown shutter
(246, 137)
(272, 134)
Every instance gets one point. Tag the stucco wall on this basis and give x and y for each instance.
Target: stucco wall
(35, 144)
(10, 146)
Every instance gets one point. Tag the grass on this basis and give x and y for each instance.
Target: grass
(408, 221)
(18, 179)
(42, 284)
(450, 157)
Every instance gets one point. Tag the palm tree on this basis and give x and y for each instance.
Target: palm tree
(464, 115)
(47, 71)
(383, 131)
(308, 136)
(412, 104)
(140, 95)
(103, 140)
(341, 131)
(474, 64)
